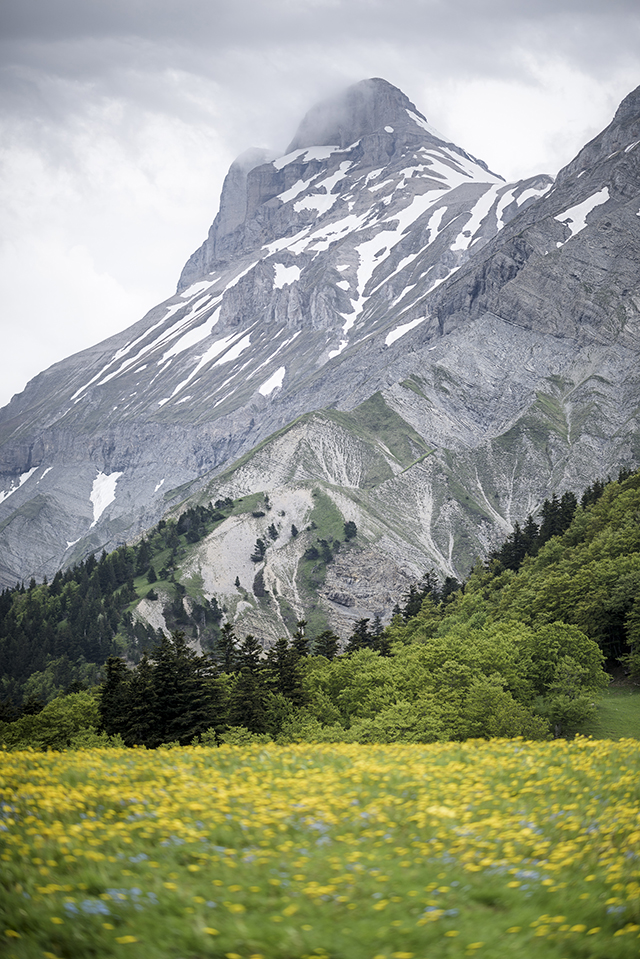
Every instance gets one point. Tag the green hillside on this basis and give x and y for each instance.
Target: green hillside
(519, 650)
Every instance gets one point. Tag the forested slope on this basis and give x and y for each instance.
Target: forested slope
(519, 649)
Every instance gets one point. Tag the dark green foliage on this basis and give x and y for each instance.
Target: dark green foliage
(250, 654)
(259, 589)
(9, 712)
(350, 529)
(361, 637)
(326, 644)
(68, 720)
(557, 515)
(284, 673)
(248, 701)
(588, 577)
(300, 640)
(418, 592)
(516, 651)
(57, 630)
(325, 551)
(141, 728)
(226, 652)
(171, 696)
(184, 703)
(258, 551)
(592, 493)
(143, 555)
(115, 697)
(449, 587)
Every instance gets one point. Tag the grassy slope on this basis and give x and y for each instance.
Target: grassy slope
(618, 714)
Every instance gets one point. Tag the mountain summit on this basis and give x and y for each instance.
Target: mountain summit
(364, 109)
(371, 127)
(377, 330)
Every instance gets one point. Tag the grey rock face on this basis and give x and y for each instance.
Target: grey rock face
(470, 346)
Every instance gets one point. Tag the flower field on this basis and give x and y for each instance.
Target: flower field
(491, 849)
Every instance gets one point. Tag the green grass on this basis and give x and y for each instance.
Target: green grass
(326, 516)
(554, 412)
(326, 523)
(374, 422)
(618, 714)
(496, 849)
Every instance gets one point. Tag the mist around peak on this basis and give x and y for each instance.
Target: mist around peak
(362, 109)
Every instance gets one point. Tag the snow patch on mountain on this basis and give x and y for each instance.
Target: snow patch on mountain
(294, 190)
(473, 224)
(285, 242)
(533, 192)
(273, 383)
(425, 126)
(309, 153)
(343, 345)
(234, 352)
(22, 479)
(239, 276)
(322, 202)
(285, 275)
(191, 337)
(198, 287)
(214, 350)
(435, 220)
(401, 330)
(330, 181)
(102, 493)
(575, 218)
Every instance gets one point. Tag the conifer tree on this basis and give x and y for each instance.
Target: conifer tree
(361, 637)
(326, 644)
(250, 654)
(185, 705)
(115, 697)
(226, 651)
(283, 671)
(300, 641)
(248, 701)
(142, 728)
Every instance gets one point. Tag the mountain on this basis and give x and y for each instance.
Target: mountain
(377, 329)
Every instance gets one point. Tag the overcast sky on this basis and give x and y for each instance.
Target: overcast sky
(119, 119)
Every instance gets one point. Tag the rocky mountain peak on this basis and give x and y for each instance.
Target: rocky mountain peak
(611, 158)
(372, 131)
(367, 107)
(629, 109)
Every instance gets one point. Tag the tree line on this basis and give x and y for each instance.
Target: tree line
(59, 633)
(509, 652)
